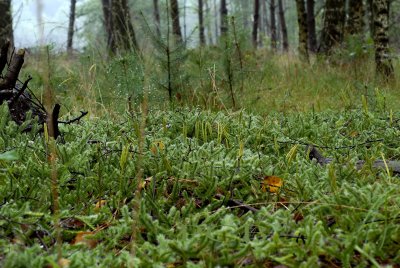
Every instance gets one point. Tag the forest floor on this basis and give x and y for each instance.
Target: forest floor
(201, 183)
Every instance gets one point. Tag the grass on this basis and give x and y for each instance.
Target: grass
(191, 153)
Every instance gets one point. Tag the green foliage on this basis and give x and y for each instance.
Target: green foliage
(349, 218)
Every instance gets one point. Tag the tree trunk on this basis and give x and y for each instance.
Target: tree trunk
(216, 20)
(334, 20)
(208, 22)
(312, 36)
(176, 27)
(383, 61)
(108, 25)
(274, 38)
(371, 18)
(355, 21)
(156, 13)
(224, 18)
(71, 27)
(201, 23)
(123, 28)
(256, 22)
(303, 30)
(285, 42)
(6, 27)
(265, 19)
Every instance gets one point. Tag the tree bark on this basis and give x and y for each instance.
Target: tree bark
(383, 60)
(285, 42)
(6, 27)
(71, 27)
(123, 28)
(224, 18)
(333, 29)
(156, 14)
(312, 36)
(274, 38)
(303, 29)
(355, 23)
(108, 25)
(256, 22)
(176, 27)
(202, 37)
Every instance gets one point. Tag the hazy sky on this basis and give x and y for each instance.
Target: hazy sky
(55, 22)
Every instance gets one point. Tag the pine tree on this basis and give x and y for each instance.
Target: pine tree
(333, 29)
(355, 22)
(303, 30)
(6, 28)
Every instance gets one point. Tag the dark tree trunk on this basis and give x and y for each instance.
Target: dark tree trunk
(71, 27)
(256, 22)
(216, 20)
(312, 36)
(108, 24)
(123, 28)
(156, 13)
(333, 29)
(383, 60)
(355, 21)
(303, 30)
(6, 28)
(285, 42)
(201, 24)
(176, 27)
(224, 18)
(274, 38)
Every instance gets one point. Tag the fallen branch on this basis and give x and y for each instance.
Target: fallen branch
(394, 166)
(236, 203)
(74, 120)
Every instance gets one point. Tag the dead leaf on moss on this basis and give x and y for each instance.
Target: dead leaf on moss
(271, 183)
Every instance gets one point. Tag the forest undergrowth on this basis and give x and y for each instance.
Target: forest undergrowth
(205, 181)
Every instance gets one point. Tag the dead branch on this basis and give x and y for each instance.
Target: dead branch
(236, 203)
(394, 166)
(11, 76)
(74, 120)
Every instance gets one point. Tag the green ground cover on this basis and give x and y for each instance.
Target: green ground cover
(192, 163)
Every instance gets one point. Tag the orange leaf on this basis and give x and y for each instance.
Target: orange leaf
(100, 204)
(273, 183)
(81, 238)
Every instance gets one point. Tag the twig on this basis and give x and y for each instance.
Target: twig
(237, 203)
(21, 91)
(74, 120)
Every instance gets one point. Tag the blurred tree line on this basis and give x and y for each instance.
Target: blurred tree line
(306, 26)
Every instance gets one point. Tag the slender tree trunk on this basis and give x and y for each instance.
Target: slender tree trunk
(224, 18)
(333, 29)
(383, 61)
(184, 22)
(208, 22)
(6, 27)
(312, 35)
(265, 21)
(123, 28)
(245, 12)
(201, 23)
(108, 25)
(216, 20)
(355, 21)
(156, 13)
(303, 30)
(256, 22)
(71, 27)
(176, 27)
(274, 39)
(285, 41)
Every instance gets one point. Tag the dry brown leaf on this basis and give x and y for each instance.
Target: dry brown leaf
(82, 238)
(272, 183)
